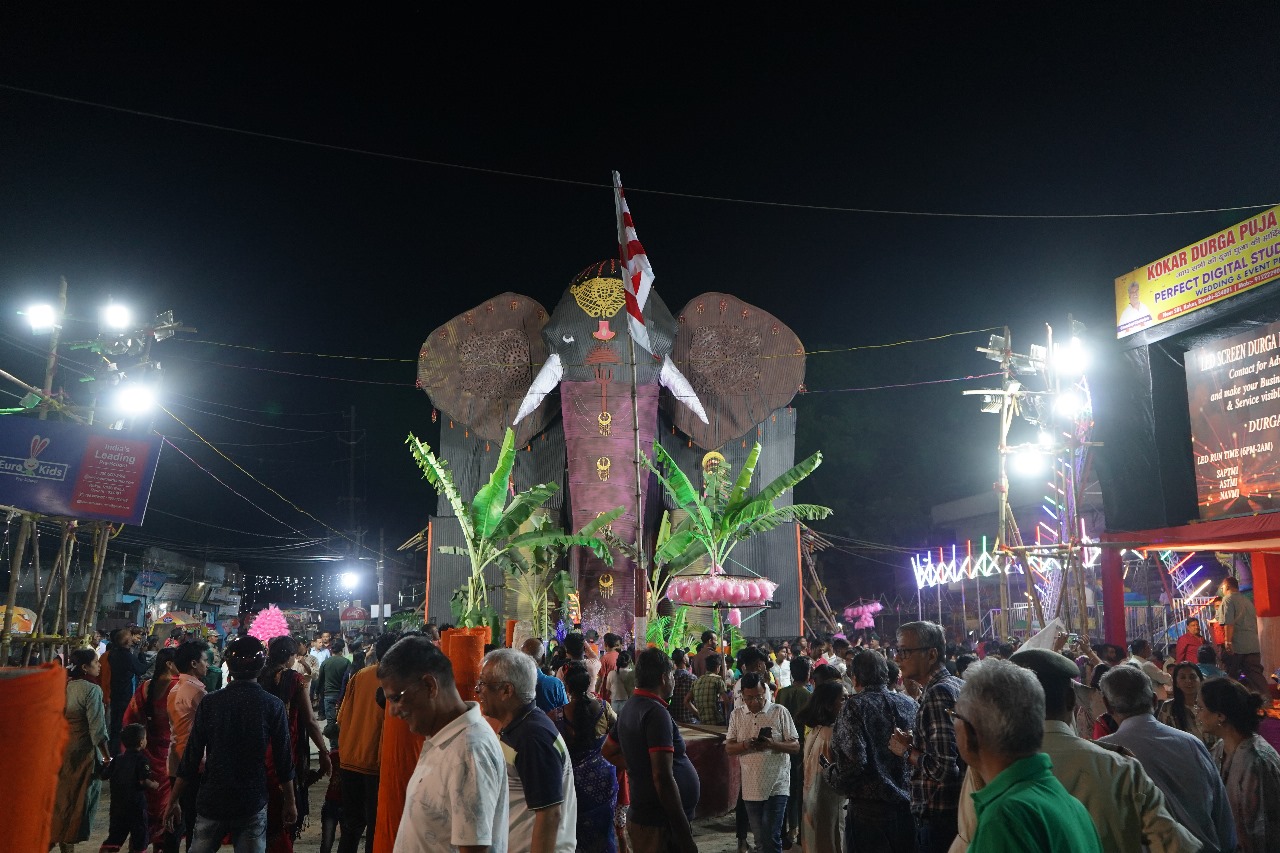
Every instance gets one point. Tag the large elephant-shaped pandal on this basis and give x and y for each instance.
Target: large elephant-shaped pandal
(716, 377)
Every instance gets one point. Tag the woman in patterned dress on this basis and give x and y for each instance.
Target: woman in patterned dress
(1249, 766)
(78, 786)
(584, 723)
(149, 708)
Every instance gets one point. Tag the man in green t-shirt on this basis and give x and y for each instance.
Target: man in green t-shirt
(999, 723)
(331, 674)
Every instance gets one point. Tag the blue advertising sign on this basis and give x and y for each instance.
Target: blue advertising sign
(66, 469)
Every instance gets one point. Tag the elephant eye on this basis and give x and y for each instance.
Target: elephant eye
(568, 339)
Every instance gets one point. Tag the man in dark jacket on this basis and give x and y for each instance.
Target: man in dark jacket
(232, 731)
(127, 666)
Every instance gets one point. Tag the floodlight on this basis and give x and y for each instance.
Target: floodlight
(135, 398)
(1071, 359)
(116, 316)
(1069, 404)
(43, 317)
(349, 580)
(995, 348)
(1028, 461)
(991, 403)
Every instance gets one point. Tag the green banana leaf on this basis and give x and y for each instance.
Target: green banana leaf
(437, 472)
(489, 503)
(745, 476)
(538, 539)
(763, 502)
(522, 508)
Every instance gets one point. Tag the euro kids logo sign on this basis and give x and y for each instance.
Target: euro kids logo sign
(32, 465)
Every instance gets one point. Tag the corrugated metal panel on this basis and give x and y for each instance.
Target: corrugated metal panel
(449, 572)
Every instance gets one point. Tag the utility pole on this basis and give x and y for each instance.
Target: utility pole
(382, 552)
(51, 364)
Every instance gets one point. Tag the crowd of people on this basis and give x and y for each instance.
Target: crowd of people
(920, 745)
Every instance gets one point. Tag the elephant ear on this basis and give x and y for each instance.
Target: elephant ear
(743, 362)
(477, 367)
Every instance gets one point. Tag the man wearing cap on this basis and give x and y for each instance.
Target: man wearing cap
(232, 730)
(1127, 808)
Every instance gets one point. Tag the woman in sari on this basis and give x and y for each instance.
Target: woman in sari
(584, 723)
(78, 785)
(148, 708)
(286, 684)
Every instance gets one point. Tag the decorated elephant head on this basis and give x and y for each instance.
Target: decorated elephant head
(726, 367)
(589, 340)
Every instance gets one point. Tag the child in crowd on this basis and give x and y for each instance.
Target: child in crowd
(130, 775)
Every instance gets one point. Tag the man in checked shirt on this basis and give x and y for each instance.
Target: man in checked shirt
(937, 771)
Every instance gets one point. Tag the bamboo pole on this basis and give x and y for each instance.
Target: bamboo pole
(15, 577)
(101, 535)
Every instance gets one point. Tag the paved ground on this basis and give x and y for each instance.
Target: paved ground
(714, 835)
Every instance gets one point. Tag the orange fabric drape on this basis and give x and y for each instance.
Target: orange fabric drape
(398, 756)
(32, 702)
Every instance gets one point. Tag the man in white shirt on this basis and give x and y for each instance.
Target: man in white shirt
(1135, 311)
(457, 798)
(1140, 657)
(544, 806)
(1176, 761)
(764, 736)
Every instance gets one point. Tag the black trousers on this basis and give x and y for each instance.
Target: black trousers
(359, 811)
(173, 840)
(128, 821)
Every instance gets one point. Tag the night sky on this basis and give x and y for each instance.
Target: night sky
(269, 246)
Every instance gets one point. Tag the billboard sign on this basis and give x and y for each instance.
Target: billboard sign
(1233, 260)
(147, 583)
(1233, 390)
(77, 471)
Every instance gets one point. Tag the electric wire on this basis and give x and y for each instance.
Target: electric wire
(251, 423)
(404, 158)
(334, 413)
(273, 491)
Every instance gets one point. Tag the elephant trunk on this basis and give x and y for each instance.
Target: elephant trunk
(601, 453)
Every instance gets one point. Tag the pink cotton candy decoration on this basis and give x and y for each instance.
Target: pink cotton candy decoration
(735, 618)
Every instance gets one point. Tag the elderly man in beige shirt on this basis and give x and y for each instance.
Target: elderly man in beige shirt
(1127, 808)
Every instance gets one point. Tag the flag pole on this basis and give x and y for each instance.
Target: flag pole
(640, 471)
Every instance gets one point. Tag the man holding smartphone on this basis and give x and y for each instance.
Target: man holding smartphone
(764, 737)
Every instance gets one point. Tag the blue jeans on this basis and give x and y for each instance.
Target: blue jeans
(765, 817)
(248, 834)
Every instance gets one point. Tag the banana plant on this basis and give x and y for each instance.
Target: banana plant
(491, 526)
(723, 514)
(532, 577)
(669, 632)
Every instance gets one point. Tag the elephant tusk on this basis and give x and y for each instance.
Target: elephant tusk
(543, 384)
(673, 380)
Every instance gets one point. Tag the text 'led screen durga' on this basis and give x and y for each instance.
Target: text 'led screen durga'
(1233, 386)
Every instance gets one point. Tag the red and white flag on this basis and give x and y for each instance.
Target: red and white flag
(638, 280)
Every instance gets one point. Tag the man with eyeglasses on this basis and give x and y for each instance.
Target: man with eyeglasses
(937, 770)
(457, 796)
(543, 806)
